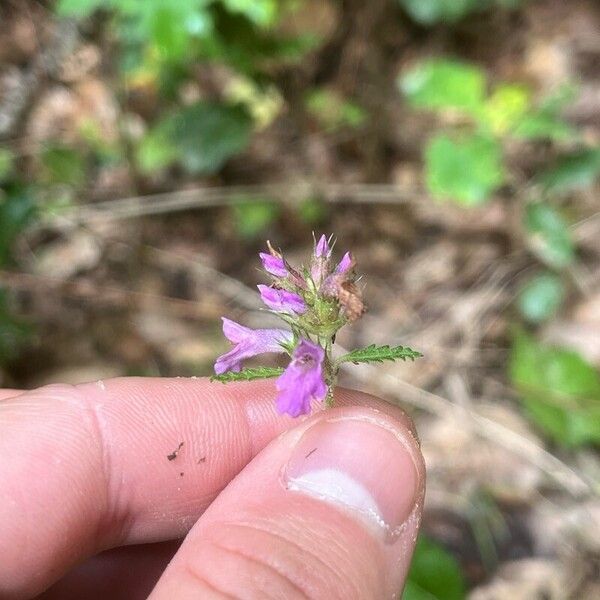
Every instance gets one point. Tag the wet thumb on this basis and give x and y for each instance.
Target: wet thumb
(330, 509)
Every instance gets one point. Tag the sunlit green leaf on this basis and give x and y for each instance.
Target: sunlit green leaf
(541, 297)
(466, 170)
(261, 12)
(506, 107)
(559, 389)
(434, 574)
(442, 84)
(548, 235)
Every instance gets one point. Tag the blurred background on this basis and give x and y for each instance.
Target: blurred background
(148, 149)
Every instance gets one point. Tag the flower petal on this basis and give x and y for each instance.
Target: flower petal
(273, 264)
(302, 380)
(282, 300)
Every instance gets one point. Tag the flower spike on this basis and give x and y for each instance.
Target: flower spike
(315, 301)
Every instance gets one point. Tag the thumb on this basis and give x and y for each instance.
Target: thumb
(330, 509)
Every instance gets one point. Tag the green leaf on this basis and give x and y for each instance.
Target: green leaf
(559, 389)
(541, 125)
(467, 170)
(443, 84)
(63, 165)
(78, 8)
(13, 331)
(254, 216)
(574, 171)
(248, 374)
(541, 297)
(548, 235)
(201, 137)
(312, 211)
(434, 574)
(334, 111)
(545, 121)
(506, 107)
(261, 12)
(428, 12)
(375, 353)
(6, 163)
(17, 208)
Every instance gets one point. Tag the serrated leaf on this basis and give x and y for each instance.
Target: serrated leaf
(466, 170)
(375, 353)
(248, 374)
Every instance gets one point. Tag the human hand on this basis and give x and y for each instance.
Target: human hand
(328, 509)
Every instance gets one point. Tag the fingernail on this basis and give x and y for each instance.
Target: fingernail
(360, 465)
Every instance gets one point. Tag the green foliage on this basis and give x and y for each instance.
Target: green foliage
(429, 12)
(375, 353)
(470, 168)
(445, 84)
(333, 111)
(17, 208)
(559, 389)
(248, 374)
(253, 217)
(63, 165)
(434, 574)
(541, 297)
(506, 107)
(6, 164)
(545, 121)
(572, 171)
(13, 332)
(312, 211)
(201, 137)
(467, 170)
(80, 8)
(548, 235)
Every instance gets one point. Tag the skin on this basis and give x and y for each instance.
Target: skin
(92, 507)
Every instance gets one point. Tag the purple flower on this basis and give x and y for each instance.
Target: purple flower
(282, 300)
(322, 249)
(302, 380)
(273, 264)
(248, 342)
(345, 264)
